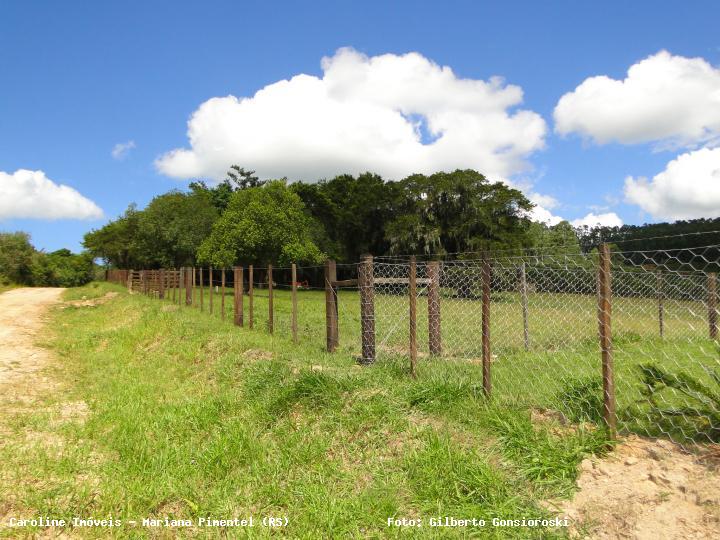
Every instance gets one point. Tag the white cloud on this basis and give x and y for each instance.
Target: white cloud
(609, 219)
(543, 215)
(391, 114)
(121, 150)
(688, 188)
(31, 194)
(664, 98)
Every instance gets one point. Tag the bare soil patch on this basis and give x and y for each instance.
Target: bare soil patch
(646, 489)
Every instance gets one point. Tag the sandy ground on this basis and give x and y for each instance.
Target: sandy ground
(647, 489)
(22, 314)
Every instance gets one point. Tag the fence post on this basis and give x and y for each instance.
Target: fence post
(188, 286)
(238, 295)
(129, 280)
(331, 321)
(270, 299)
(661, 301)
(605, 316)
(712, 305)
(251, 288)
(486, 352)
(293, 322)
(412, 293)
(161, 285)
(202, 287)
(210, 270)
(366, 284)
(222, 295)
(524, 301)
(434, 321)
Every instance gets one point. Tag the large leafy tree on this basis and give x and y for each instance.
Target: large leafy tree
(16, 256)
(458, 211)
(237, 178)
(116, 242)
(172, 227)
(262, 224)
(354, 212)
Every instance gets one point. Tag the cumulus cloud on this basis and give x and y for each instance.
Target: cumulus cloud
(391, 114)
(121, 150)
(688, 188)
(609, 219)
(31, 194)
(666, 99)
(541, 212)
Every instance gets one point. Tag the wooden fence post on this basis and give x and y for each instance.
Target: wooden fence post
(605, 316)
(486, 351)
(331, 320)
(366, 285)
(210, 270)
(202, 287)
(251, 298)
(524, 301)
(293, 321)
(712, 305)
(161, 285)
(188, 286)
(434, 320)
(412, 293)
(661, 301)
(129, 280)
(271, 322)
(238, 295)
(222, 294)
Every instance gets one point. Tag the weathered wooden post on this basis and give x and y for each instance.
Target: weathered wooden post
(194, 282)
(238, 295)
(661, 302)
(271, 322)
(129, 280)
(366, 285)
(412, 293)
(434, 321)
(293, 321)
(486, 275)
(251, 298)
(202, 288)
(222, 294)
(210, 270)
(605, 317)
(712, 305)
(161, 284)
(331, 320)
(188, 286)
(524, 301)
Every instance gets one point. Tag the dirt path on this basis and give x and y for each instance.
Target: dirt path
(21, 317)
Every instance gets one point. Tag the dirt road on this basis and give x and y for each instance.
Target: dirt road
(22, 314)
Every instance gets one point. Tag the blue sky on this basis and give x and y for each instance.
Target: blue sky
(79, 78)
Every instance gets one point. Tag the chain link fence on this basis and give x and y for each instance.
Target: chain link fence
(532, 325)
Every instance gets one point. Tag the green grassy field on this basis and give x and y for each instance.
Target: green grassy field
(563, 343)
(189, 416)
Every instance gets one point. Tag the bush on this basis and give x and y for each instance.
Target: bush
(62, 269)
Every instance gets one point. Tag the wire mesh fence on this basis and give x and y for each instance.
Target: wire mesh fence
(533, 326)
(628, 339)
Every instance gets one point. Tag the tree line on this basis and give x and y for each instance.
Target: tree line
(243, 220)
(22, 264)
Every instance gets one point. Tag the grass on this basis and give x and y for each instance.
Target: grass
(190, 416)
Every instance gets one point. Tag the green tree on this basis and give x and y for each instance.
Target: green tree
(62, 268)
(116, 242)
(262, 224)
(354, 212)
(458, 211)
(16, 256)
(172, 227)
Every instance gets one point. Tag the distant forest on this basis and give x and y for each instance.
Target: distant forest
(243, 220)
